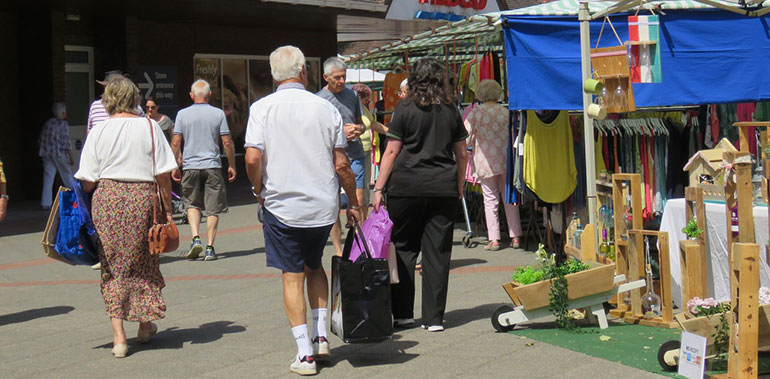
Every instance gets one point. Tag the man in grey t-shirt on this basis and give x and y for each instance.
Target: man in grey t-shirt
(201, 127)
(347, 103)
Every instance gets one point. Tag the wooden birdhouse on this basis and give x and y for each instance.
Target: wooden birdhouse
(708, 162)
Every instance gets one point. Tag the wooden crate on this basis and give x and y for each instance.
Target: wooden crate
(585, 283)
(611, 67)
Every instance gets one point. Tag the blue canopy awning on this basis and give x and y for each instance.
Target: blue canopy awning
(708, 56)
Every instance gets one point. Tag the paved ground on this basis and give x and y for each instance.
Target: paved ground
(225, 319)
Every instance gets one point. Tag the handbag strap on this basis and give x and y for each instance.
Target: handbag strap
(355, 233)
(155, 199)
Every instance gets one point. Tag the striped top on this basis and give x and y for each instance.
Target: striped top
(97, 114)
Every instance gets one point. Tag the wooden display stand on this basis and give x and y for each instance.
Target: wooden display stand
(587, 250)
(693, 253)
(743, 255)
(621, 232)
(636, 271)
(611, 67)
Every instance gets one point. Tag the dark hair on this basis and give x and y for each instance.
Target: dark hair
(427, 83)
(362, 90)
(150, 98)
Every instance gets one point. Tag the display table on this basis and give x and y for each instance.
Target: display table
(716, 246)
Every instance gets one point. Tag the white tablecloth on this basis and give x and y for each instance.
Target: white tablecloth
(716, 247)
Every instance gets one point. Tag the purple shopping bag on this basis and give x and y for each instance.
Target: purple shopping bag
(376, 230)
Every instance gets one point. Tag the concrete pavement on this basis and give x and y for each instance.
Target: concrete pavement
(225, 318)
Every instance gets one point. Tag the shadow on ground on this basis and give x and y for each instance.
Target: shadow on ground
(388, 352)
(175, 338)
(179, 255)
(457, 263)
(459, 317)
(32, 314)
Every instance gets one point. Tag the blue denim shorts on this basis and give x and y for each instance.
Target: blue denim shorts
(291, 249)
(357, 165)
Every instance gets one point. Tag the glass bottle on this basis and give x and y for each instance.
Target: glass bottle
(604, 247)
(578, 234)
(619, 97)
(650, 300)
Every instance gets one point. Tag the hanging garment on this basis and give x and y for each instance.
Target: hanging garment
(728, 115)
(496, 67)
(511, 195)
(549, 164)
(518, 158)
(746, 113)
(581, 193)
(598, 158)
(485, 69)
(763, 111)
(390, 90)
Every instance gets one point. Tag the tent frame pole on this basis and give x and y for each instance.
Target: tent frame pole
(584, 15)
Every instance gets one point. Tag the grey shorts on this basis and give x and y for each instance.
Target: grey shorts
(204, 190)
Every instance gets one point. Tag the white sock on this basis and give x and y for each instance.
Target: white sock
(302, 339)
(319, 323)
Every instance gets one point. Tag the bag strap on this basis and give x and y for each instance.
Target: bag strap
(355, 233)
(156, 188)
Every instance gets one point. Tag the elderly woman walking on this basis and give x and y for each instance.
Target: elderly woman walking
(488, 125)
(422, 171)
(56, 152)
(117, 161)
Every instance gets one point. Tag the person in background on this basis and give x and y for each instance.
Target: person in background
(3, 194)
(371, 126)
(349, 106)
(403, 91)
(117, 163)
(302, 137)
(97, 113)
(164, 121)
(201, 127)
(423, 171)
(55, 148)
(488, 125)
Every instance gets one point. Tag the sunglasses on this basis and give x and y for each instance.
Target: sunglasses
(152, 106)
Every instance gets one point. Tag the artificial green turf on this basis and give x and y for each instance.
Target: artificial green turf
(630, 345)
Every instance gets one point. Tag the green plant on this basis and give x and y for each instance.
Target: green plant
(721, 338)
(691, 229)
(558, 298)
(528, 275)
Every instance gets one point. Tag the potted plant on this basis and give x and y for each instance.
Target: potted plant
(691, 229)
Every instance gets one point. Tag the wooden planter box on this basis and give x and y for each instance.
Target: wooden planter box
(705, 326)
(585, 283)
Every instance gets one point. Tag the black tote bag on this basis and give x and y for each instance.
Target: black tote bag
(360, 294)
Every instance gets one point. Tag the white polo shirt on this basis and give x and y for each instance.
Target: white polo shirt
(297, 132)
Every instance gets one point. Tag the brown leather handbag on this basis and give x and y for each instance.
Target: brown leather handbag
(163, 237)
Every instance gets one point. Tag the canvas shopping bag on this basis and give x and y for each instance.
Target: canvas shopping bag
(360, 295)
(52, 229)
(71, 244)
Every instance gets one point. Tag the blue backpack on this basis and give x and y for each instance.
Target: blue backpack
(76, 238)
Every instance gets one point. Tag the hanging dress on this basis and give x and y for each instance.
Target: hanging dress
(549, 162)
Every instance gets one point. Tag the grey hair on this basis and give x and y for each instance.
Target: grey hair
(404, 84)
(334, 63)
(286, 62)
(488, 90)
(58, 109)
(200, 88)
(120, 96)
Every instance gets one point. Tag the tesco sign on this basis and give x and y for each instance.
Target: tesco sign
(407, 9)
(475, 4)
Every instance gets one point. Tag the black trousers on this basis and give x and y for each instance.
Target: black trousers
(422, 224)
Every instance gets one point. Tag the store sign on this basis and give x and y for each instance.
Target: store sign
(159, 82)
(408, 9)
(475, 4)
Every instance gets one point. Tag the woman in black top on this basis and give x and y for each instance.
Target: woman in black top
(423, 170)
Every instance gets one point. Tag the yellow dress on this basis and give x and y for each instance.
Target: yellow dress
(549, 162)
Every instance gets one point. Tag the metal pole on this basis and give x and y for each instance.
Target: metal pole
(588, 130)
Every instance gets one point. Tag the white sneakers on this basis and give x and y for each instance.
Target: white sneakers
(304, 366)
(321, 348)
(434, 328)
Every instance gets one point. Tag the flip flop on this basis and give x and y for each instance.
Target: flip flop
(491, 247)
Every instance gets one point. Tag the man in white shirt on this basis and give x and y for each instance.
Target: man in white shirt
(302, 137)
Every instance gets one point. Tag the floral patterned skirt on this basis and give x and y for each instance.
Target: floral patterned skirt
(131, 278)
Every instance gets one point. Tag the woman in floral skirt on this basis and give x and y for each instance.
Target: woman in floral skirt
(117, 162)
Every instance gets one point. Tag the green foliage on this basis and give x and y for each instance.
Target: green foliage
(528, 275)
(558, 298)
(721, 338)
(692, 230)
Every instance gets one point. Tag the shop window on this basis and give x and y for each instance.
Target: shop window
(238, 81)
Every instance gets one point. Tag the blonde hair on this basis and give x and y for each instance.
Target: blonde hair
(488, 90)
(120, 95)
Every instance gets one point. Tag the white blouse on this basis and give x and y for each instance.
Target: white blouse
(120, 149)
